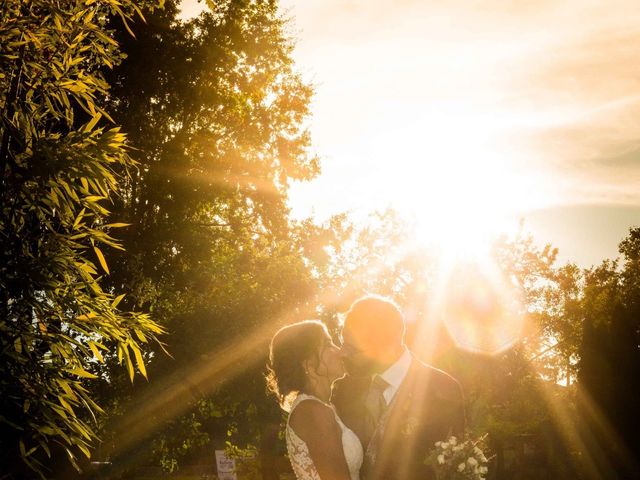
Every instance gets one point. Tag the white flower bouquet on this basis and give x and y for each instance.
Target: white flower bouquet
(459, 460)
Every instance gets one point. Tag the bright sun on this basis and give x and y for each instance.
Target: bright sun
(460, 198)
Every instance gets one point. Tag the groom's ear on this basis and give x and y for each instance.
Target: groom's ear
(306, 366)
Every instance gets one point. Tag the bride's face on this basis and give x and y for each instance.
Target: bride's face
(331, 364)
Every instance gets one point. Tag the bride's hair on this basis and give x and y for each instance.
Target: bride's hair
(290, 347)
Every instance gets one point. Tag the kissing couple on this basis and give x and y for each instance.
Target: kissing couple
(377, 420)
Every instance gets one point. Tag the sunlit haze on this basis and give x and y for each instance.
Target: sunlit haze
(468, 117)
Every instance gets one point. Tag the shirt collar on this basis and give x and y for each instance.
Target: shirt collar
(394, 375)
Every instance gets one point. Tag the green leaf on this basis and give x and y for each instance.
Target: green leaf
(66, 405)
(87, 268)
(87, 316)
(96, 352)
(84, 450)
(128, 362)
(67, 389)
(81, 373)
(45, 447)
(78, 219)
(89, 126)
(101, 259)
(117, 300)
(139, 361)
(140, 335)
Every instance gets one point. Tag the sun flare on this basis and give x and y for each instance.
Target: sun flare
(460, 196)
(482, 308)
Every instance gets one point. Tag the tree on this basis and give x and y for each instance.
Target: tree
(59, 170)
(217, 115)
(561, 323)
(589, 328)
(610, 363)
(510, 393)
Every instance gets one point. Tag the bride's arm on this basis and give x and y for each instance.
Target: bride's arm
(316, 424)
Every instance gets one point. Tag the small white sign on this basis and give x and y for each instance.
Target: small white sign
(226, 466)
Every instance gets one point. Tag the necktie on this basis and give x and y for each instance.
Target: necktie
(375, 404)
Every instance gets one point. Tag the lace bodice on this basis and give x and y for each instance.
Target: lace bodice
(299, 453)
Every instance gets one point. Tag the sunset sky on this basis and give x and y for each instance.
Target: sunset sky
(467, 116)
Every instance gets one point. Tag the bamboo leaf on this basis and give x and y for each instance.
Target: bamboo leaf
(88, 268)
(67, 389)
(101, 259)
(139, 361)
(84, 450)
(81, 373)
(66, 405)
(140, 335)
(117, 300)
(128, 362)
(78, 218)
(96, 352)
(89, 126)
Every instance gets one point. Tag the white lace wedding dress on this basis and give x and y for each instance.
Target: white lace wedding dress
(299, 453)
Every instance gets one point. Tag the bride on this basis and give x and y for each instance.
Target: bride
(303, 364)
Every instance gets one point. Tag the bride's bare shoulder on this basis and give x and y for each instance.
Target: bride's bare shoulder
(312, 418)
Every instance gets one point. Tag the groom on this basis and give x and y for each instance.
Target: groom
(397, 405)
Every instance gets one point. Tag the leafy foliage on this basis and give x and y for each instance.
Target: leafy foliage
(58, 172)
(217, 114)
(609, 362)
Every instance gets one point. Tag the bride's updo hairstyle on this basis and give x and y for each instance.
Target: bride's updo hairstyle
(290, 347)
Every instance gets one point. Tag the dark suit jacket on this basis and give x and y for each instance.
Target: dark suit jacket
(428, 406)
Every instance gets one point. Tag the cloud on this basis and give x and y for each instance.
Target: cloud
(554, 85)
(587, 91)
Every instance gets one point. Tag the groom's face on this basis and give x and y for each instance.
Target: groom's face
(356, 360)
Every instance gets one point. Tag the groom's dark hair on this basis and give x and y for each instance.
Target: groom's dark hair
(376, 320)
